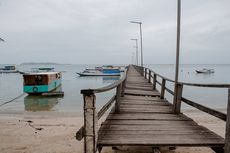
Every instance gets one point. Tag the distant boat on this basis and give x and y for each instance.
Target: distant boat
(121, 68)
(41, 82)
(8, 69)
(205, 71)
(43, 69)
(100, 71)
(38, 69)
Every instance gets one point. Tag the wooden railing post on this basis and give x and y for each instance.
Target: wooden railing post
(163, 88)
(227, 129)
(150, 75)
(124, 84)
(142, 71)
(90, 124)
(118, 98)
(177, 98)
(154, 81)
(145, 73)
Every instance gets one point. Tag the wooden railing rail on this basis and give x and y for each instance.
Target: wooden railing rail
(89, 131)
(178, 98)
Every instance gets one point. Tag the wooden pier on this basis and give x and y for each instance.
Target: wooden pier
(141, 116)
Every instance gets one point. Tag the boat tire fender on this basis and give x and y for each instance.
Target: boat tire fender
(35, 89)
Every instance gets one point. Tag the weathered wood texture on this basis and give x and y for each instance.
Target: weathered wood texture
(146, 119)
(227, 133)
(90, 124)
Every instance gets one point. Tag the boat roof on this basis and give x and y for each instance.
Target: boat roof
(40, 73)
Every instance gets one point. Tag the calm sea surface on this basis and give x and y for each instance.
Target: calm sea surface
(11, 86)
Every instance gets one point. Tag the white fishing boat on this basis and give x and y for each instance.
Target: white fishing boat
(205, 71)
(100, 72)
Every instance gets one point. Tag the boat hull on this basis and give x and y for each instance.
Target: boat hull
(9, 71)
(98, 74)
(201, 71)
(38, 89)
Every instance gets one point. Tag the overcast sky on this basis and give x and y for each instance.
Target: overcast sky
(99, 32)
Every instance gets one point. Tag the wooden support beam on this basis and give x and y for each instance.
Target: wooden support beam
(156, 150)
(154, 81)
(90, 124)
(163, 89)
(123, 88)
(177, 98)
(145, 72)
(227, 132)
(118, 99)
(218, 149)
(150, 75)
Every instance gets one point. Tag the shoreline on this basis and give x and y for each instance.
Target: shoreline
(54, 133)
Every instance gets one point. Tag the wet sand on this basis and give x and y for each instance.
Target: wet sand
(42, 133)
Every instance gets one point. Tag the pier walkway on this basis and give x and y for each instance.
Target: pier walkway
(142, 116)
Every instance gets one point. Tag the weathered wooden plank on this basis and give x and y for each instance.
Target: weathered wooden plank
(146, 116)
(153, 128)
(152, 132)
(162, 111)
(171, 141)
(179, 137)
(148, 122)
(143, 98)
(156, 105)
(139, 88)
(142, 92)
(145, 103)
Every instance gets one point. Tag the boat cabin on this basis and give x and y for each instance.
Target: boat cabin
(41, 82)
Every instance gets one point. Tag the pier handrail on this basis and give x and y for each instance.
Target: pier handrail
(106, 88)
(178, 98)
(89, 130)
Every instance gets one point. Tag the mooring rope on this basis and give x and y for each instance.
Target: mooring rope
(12, 99)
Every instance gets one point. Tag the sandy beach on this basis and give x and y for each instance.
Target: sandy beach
(42, 133)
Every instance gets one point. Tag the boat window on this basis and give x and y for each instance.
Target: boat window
(35, 80)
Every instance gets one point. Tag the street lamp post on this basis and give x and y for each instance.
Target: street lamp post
(140, 40)
(176, 104)
(136, 50)
(133, 56)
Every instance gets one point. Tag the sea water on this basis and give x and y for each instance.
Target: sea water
(11, 86)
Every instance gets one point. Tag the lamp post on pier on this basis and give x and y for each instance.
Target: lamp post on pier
(176, 104)
(136, 50)
(140, 23)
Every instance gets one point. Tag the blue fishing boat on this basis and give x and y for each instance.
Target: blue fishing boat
(42, 82)
(106, 70)
(103, 72)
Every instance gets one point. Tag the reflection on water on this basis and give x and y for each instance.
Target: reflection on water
(41, 103)
(110, 79)
(205, 75)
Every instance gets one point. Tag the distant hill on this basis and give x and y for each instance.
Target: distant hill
(34, 63)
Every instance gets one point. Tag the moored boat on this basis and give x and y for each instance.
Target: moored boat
(205, 71)
(42, 82)
(8, 69)
(103, 72)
